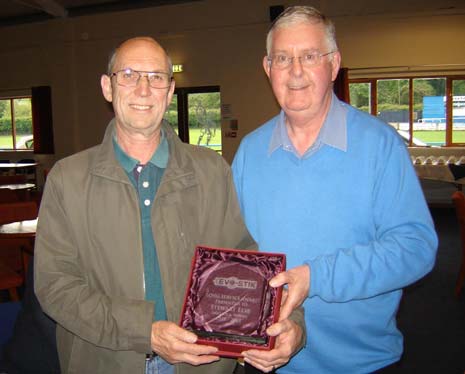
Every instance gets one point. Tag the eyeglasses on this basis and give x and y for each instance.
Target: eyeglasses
(310, 59)
(130, 78)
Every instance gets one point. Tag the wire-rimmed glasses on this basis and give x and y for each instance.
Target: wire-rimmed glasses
(310, 59)
(130, 78)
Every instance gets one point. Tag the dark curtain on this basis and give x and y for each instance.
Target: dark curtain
(42, 122)
(341, 85)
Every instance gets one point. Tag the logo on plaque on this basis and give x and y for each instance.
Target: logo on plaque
(233, 282)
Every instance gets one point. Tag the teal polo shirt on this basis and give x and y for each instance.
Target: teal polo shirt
(146, 180)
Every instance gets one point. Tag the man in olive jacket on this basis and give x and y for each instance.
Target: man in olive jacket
(117, 229)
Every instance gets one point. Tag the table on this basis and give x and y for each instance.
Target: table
(21, 230)
(440, 173)
(18, 186)
(18, 165)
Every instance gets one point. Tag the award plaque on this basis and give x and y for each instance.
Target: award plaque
(228, 302)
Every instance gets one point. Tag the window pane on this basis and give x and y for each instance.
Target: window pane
(429, 107)
(458, 111)
(6, 135)
(23, 123)
(393, 101)
(205, 119)
(171, 115)
(360, 96)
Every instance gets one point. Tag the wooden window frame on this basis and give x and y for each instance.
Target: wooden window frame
(448, 94)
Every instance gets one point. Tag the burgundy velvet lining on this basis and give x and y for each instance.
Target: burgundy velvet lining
(261, 265)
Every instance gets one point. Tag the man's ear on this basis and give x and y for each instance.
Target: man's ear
(107, 90)
(336, 64)
(171, 91)
(266, 66)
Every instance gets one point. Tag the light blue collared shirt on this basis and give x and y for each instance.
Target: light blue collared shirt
(333, 132)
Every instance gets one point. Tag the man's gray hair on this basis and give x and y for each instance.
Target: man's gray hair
(114, 54)
(303, 14)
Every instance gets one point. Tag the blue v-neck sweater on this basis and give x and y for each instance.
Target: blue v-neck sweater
(357, 216)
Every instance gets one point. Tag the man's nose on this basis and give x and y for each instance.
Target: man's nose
(143, 85)
(296, 66)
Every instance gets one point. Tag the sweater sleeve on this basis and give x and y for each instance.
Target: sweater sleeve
(404, 245)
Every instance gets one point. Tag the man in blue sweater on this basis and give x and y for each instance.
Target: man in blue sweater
(333, 188)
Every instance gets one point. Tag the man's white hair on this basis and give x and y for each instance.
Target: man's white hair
(303, 14)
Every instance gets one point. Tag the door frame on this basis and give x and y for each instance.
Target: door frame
(183, 106)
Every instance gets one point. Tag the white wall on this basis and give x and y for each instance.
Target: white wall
(220, 42)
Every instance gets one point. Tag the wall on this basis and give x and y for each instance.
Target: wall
(220, 42)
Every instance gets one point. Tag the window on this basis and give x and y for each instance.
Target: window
(16, 123)
(195, 115)
(426, 111)
(458, 111)
(360, 95)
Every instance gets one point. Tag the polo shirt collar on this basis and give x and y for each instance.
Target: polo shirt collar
(159, 158)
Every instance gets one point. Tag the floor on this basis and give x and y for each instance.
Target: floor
(430, 317)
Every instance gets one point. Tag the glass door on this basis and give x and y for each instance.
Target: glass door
(195, 115)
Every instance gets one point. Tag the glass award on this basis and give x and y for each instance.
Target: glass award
(229, 301)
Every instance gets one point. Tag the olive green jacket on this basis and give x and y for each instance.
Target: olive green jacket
(88, 255)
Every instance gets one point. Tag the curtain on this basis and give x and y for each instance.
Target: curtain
(42, 122)
(341, 85)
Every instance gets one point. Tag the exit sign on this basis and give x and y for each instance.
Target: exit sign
(177, 68)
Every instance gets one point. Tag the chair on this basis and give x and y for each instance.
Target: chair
(12, 268)
(18, 211)
(2, 171)
(28, 171)
(10, 280)
(13, 179)
(458, 199)
(31, 347)
(8, 196)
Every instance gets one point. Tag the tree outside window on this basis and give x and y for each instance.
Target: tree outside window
(16, 124)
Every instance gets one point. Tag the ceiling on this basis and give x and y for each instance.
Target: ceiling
(14, 12)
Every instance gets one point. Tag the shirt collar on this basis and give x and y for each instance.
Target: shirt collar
(333, 132)
(159, 157)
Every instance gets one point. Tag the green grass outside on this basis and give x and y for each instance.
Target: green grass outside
(434, 137)
(215, 141)
(439, 137)
(6, 141)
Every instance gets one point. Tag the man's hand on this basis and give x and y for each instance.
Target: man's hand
(298, 287)
(175, 344)
(289, 336)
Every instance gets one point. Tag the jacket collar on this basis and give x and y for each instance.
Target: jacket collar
(106, 165)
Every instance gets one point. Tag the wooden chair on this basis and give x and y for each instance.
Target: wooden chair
(458, 199)
(13, 179)
(8, 196)
(10, 280)
(29, 171)
(18, 211)
(12, 268)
